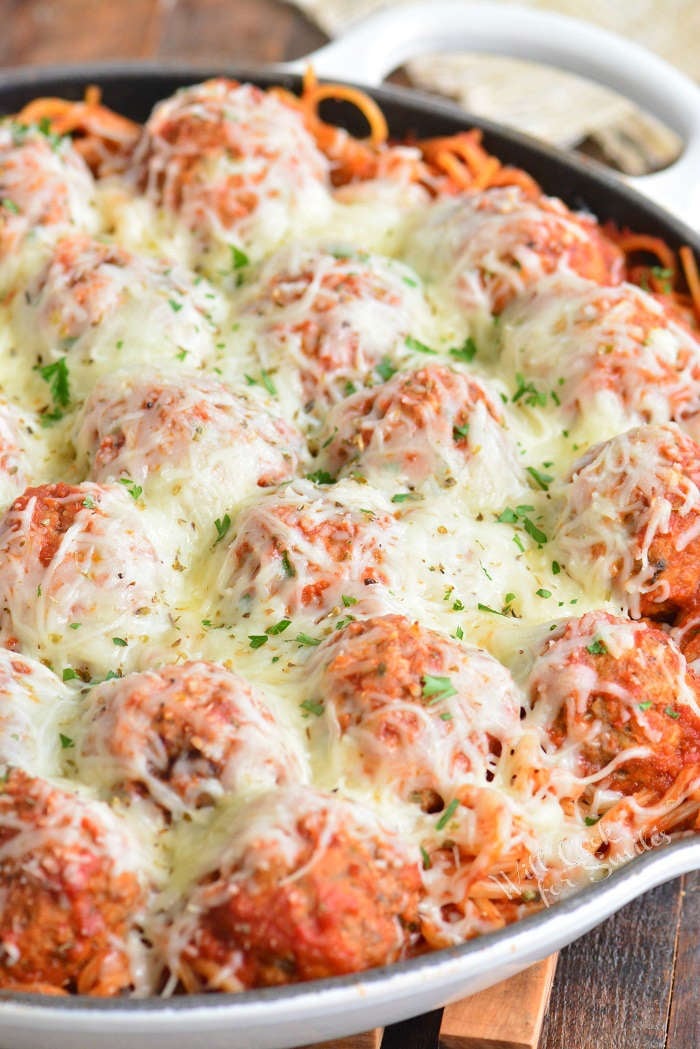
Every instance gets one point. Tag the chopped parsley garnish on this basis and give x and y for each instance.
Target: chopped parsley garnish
(348, 601)
(487, 608)
(312, 706)
(89, 503)
(556, 568)
(645, 705)
(591, 821)
(289, 569)
(404, 497)
(543, 592)
(181, 354)
(410, 281)
(460, 432)
(69, 674)
(74, 626)
(385, 369)
(306, 639)
(543, 480)
(670, 712)
(257, 640)
(437, 687)
(134, 490)
(222, 525)
(267, 382)
(9, 205)
(66, 741)
(278, 628)
(664, 277)
(175, 306)
(321, 477)
(426, 859)
(239, 259)
(459, 634)
(56, 375)
(349, 389)
(597, 648)
(446, 716)
(519, 515)
(528, 392)
(447, 815)
(344, 621)
(418, 346)
(466, 352)
(121, 642)
(458, 606)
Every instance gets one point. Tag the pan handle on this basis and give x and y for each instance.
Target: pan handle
(375, 46)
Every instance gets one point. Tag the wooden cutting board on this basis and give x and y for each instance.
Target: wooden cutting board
(507, 1016)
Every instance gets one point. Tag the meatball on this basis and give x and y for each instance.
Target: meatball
(611, 357)
(185, 438)
(234, 163)
(32, 703)
(329, 320)
(184, 735)
(422, 713)
(45, 187)
(630, 522)
(491, 246)
(101, 307)
(432, 423)
(71, 897)
(302, 549)
(307, 885)
(618, 697)
(80, 582)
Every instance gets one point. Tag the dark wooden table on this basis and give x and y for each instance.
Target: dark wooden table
(634, 983)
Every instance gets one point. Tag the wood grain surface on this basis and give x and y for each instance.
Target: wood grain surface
(634, 982)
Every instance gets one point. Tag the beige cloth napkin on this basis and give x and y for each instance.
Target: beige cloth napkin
(557, 107)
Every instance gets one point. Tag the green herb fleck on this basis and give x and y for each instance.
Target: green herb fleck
(447, 815)
(466, 352)
(385, 369)
(175, 306)
(222, 525)
(311, 706)
(418, 346)
(66, 741)
(257, 640)
(306, 639)
(321, 477)
(438, 687)
(120, 642)
(69, 674)
(542, 592)
(348, 601)
(278, 628)
(9, 205)
(134, 490)
(670, 712)
(289, 569)
(543, 480)
(597, 648)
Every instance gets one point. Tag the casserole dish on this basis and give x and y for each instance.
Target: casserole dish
(268, 1018)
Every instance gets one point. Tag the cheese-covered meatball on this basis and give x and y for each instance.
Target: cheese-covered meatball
(306, 885)
(332, 321)
(413, 709)
(80, 581)
(184, 736)
(234, 163)
(619, 699)
(489, 247)
(431, 424)
(101, 308)
(185, 439)
(630, 522)
(610, 357)
(301, 549)
(45, 188)
(33, 701)
(71, 893)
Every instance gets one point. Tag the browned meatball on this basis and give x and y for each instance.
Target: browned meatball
(307, 886)
(423, 713)
(631, 521)
(605, 685)
(184, 735)
(69, 899)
